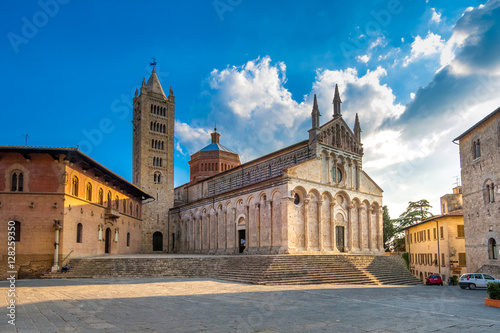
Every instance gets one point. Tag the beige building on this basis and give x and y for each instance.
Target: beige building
(437, 245)
(310, 197)
(480, 162)
(59, 204)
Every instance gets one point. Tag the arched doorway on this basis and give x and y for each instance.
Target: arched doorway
(107, 243)
(157, 241)
(241, 234)
(492, 249)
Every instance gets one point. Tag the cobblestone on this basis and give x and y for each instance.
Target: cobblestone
(206, 305)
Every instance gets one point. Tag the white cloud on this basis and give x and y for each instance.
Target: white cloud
(420, 48)
(191, 137)
(412, 95)
(436, 17)
(364, 59)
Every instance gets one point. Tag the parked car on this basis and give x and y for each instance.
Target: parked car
(475, 280)
(434, 279)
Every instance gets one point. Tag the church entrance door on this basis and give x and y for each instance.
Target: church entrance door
(339, 231)
(241, 240)
(107, 243)
(157, 241)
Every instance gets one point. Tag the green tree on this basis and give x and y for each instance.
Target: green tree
(417, 211)
(389, 229)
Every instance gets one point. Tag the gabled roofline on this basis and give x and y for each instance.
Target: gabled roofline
(458, 212)
(75, 153)
(477, 125)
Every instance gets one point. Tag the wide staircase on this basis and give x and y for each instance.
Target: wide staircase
(266, 269)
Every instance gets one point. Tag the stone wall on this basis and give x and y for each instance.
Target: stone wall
(481, 216)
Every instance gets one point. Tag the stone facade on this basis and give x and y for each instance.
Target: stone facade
(311, 197)
(453, 201)
(153, 160)
(480, 161)
(59, 195)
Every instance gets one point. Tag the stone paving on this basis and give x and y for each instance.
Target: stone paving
(206, 305)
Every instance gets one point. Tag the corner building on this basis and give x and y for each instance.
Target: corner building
(310, 197)
(480, 163)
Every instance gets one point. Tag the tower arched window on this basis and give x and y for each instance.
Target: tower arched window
(163, 145)
(154, 109)
(152, 143)
(151, 126)
(17, 181)
(476, 149)
(492, 249)
(88, 194)
(161, 161)
(79, 231)
(128, 238)
(101, 196)
(74, 186)
(151, 108)
(490, 189)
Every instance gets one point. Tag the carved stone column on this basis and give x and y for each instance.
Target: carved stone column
(248, 243)
(332, 226)
(224, 223)
(320, 226)
(370, 228)
(361, 225)
(380, 232)
(352, 226)
(235, 223)
(217, 216)
(201, 232)
(350, 175)
(257, 223)
(286, 210)
(328, 170)
(306, 227)
(271, 222)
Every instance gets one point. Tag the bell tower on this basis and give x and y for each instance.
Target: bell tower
(153, 160)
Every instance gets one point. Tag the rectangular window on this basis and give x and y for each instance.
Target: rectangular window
(442, 260)
(460, 231)
(434, 230)
(424, 235)
(435, 259)
(429, 234)
(441, 233)
(461, 260)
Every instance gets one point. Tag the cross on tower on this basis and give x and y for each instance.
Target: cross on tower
(153, 63)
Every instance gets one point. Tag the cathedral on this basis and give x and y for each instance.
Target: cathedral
(311, 197)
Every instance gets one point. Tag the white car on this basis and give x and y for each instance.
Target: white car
(473, 280)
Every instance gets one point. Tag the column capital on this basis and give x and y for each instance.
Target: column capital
(320, 202)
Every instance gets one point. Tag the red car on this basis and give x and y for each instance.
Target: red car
(434, 279)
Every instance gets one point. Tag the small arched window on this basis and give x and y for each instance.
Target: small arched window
(17, 230)
(101, 196)
(17, 181)
(109, 199)
(124, 206)
(74, 186)
(117, 202)
(152, 143)
(476, 149)
(88, 193)
(492, 249)
(137, 210)
(128, 238)
(79, 230)
(151, 126)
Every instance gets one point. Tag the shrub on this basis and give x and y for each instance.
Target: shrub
(454, 280)
(406, 258)
(494, 290)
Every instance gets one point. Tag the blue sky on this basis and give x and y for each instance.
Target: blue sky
(419, 73)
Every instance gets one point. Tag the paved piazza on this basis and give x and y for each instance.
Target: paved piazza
(206, 305)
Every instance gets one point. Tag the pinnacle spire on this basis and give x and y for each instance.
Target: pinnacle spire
(336, 103)
(315, 113)
(357, 128)
(154, 85)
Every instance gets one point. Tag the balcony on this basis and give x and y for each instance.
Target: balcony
(112, 213)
